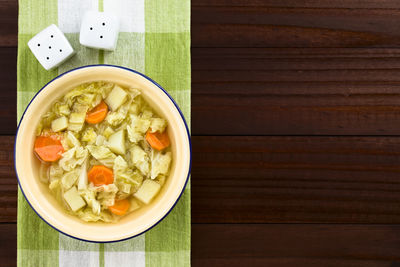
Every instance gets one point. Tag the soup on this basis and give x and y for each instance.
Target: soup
(103, 151)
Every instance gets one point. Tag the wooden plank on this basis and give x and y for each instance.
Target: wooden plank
(8, 181)
(278, 245)
(8, 92)
(8, 23)
(277, 179)
(8, 245)
(296, 179)
(364, 4)
(305, 91)
(296, 245)
(257, 26)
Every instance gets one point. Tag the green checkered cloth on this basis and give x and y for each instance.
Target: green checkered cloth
(155, 40)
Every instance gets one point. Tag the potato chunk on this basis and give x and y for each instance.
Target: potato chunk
(116, 142)
(147, 191)
(74, 200)
(59, 124)
(116, 98)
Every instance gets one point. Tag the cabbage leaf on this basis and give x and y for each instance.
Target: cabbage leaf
(125, 174)
(102, 154)
(140, 159)
(69, 179)
(160, 163)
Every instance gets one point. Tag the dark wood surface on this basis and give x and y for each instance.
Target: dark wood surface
(296, 132)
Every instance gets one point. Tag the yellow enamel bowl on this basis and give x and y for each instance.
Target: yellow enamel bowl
(38, 194)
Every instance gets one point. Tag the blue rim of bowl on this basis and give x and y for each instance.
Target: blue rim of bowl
(176, 106)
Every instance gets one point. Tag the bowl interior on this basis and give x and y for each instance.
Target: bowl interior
(38, 194)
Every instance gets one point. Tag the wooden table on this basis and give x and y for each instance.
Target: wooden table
(296, 132)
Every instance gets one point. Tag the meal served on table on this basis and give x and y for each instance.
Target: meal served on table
(104, 152)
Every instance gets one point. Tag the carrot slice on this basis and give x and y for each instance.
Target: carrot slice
(100, 175)
(97, 114)
(49, 147)
(120, 207)
(158, 140)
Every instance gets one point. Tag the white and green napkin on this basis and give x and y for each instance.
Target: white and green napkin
(154, 39)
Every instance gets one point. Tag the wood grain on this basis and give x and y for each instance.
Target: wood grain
(277, 179)
(8, 92)
(8, 181)
(8, 23)
(296, 245)
(296, 179)
(363, 4)
(8, 245)
(305, 91)
(259, 26)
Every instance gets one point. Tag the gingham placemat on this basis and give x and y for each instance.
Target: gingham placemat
(155, 40)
